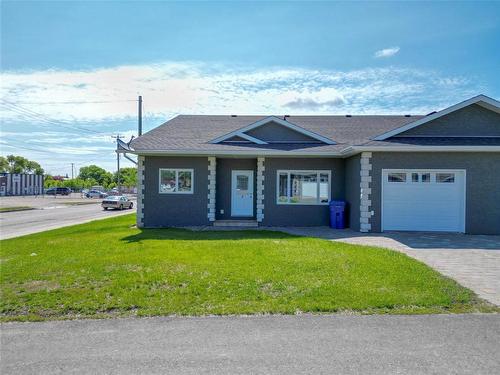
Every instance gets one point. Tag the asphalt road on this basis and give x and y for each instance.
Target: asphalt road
(338, 344)
(14, 224)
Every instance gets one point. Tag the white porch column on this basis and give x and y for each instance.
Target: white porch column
(260, 189)
(140, 191)
(212, 164)
(365, 213)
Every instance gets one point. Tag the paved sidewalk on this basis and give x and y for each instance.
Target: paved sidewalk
(472, 260)
(304, 344)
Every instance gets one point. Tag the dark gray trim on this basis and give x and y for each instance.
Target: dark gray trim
(482, 215)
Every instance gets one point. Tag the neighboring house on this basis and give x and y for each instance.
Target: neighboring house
(21, 184)
(439, 172)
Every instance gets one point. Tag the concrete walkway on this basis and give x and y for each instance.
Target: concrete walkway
(304, 344)
(472, 260)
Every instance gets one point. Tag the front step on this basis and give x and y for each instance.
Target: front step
(236, 223)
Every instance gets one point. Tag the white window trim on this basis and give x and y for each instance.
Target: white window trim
(433, 172)
(176, 170)
(290, 171)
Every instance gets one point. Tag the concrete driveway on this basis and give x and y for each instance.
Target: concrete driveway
(472, 260)
(304, 344)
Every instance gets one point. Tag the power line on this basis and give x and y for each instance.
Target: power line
(46, 151)
(27, 112)
(83, 102)
(43, 121)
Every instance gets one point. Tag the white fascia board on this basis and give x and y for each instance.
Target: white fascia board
(357, 149)
(249, 153)
(346, 152)
(251, 139)
(483, 100)
(280, 121)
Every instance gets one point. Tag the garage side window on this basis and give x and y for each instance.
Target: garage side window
(396, 177)
(176, 181)
(445, 178)
(303, 187)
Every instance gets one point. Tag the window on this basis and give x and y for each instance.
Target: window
(241, 182)
(176, 181)
(445, 177)
(420, 177)
(303, 187)
(397, 177)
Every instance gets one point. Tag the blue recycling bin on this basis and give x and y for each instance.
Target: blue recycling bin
(337, 217)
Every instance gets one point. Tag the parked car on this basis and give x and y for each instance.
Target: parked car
(118, 202)
(96, 194)
(58, 191)
(114, 191)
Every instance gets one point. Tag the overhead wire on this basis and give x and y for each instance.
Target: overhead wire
(38, 116)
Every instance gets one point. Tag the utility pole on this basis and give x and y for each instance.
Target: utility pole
(140, 116)
(72, 165)
(118, 137)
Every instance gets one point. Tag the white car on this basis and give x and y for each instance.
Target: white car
(118, 202)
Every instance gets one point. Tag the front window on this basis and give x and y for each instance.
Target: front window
(303, 187)
(176, 181)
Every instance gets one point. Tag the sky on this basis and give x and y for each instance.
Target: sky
(71, 71)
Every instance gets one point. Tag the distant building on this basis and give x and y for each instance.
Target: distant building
(60, 178)
(21, 184)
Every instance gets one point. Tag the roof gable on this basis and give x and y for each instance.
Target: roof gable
(438, 118)
(273, 132)
(471, 121)
(272, 128)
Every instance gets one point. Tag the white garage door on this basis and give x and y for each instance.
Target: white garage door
(423, 200)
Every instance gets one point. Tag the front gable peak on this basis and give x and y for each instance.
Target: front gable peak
(273, 129)
(483, 101)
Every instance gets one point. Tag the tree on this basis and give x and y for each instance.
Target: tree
(33, 166)
(4, 164)
(98, 174)
(19, 164)
(128, 177)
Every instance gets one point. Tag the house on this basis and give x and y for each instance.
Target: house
(438, 172)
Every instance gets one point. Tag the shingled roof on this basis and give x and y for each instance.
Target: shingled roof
(191, 133)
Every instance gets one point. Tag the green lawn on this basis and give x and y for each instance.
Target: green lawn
(109, 268)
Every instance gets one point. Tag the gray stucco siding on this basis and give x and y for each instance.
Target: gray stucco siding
(471, 121)
(482, 214)
(300, 215)
(275, 132)
(352, 190)
(164, 210)
(225, 166)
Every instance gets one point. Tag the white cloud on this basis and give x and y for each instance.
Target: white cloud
(103, 99)
(108, 93)
(386, 52)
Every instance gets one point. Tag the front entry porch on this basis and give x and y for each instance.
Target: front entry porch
(236, 223)
(235, 191)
